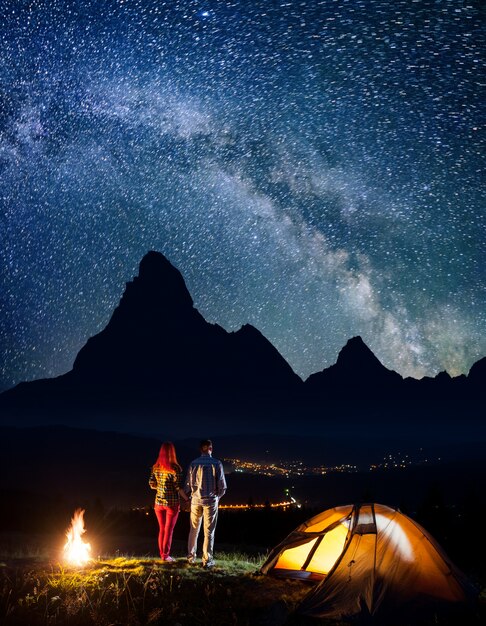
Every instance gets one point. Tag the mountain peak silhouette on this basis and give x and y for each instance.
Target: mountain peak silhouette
(156, 271)
(158, 342)
(356, 356)
(477, 373)
(356, 367)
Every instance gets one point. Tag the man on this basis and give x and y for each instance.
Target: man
(205, 484)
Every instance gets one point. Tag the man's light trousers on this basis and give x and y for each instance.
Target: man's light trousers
(208, 513)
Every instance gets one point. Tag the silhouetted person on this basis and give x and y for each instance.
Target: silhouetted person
(166, 478)
(205, 484)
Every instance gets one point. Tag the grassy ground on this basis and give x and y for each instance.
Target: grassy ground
(137, 591)
(37, 589)
(129, 590)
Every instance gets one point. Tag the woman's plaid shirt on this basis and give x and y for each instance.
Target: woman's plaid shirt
(167, 485)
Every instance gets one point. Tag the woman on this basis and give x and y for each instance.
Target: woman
(166, 478)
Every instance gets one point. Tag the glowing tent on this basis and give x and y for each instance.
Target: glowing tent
(370, 560)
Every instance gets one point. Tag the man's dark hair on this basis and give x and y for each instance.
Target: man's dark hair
(206, 443)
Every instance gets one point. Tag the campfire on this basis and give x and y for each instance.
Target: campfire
(77, 551)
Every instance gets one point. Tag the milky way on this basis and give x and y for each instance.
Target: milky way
(312, 168)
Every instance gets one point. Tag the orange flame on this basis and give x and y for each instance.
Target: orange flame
(77, 551)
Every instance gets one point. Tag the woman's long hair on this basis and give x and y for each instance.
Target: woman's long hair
(167, 459)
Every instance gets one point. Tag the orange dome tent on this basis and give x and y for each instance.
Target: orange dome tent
(369, 560)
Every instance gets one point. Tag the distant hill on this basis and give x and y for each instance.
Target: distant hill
(159, 366)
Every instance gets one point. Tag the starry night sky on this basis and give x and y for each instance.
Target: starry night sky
(314, 168)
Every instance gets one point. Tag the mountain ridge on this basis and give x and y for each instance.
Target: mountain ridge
(158, 359)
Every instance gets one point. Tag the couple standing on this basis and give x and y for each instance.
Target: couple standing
(205, 484)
